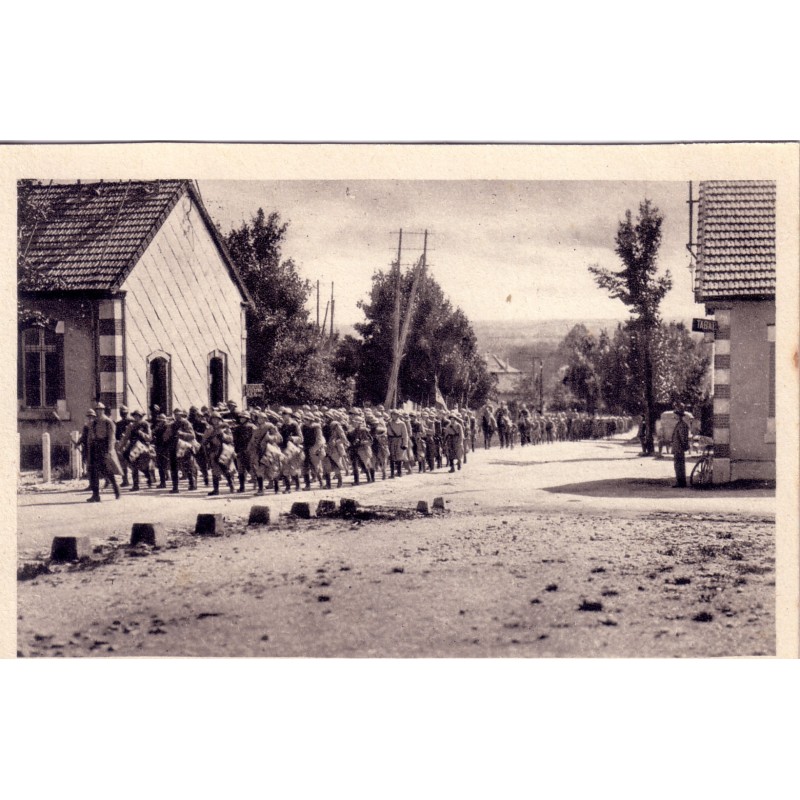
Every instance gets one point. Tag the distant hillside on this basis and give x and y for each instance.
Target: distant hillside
(521, 343)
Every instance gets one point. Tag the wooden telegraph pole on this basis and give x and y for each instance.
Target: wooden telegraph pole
(400, 341)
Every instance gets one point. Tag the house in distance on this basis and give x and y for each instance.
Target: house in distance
(735, 278)
(135, 302)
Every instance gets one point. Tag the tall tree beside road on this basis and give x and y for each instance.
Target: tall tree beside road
(640, 288)
(441, 348)
(284, 350)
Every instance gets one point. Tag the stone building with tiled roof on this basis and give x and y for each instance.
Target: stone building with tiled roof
(508, 377)
(735, 278)
(141, 303)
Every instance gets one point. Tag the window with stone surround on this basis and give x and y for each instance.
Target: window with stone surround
(41, 366)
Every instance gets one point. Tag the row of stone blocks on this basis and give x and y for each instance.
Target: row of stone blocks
(75, 548)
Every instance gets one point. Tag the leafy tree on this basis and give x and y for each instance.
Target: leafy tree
(641, 289)
(284, 350)
(441, 348)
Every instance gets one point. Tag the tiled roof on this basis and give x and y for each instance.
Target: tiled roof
(736, 240)
(89, 236)
(497, 366)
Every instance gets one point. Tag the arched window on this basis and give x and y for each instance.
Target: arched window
(217, 377)
(159, 381)
(41, 366)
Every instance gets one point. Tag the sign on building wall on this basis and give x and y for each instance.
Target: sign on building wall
(704, 325)
(253, 390)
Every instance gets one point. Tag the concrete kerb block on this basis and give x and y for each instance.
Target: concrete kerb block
(423, 508)
(438, 504)
(326, 508)
(301, 511)
(70, 548)
(210, 525)
(259, 515)
(348, 506)
(146, 533)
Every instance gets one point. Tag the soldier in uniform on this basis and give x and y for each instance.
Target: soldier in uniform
(289, 429)
(122, 428)
(380, 444)
(454, 441)
(160, 430)
(313, 444)
(489, 425)
(83, 442)
(219, 441)
(199, 421)
(102, 452)
(360, 447)
(398, 443)
(135, 449)
(335, 448)
(181, 442)
(242, 434)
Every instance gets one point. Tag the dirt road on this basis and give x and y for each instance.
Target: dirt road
(572, 549)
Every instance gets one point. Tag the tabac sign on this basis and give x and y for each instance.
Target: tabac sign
(704, 325)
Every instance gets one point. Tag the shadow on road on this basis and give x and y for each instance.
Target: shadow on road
(554, 461)
(646, 487)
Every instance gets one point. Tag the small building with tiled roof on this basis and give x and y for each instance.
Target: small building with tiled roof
(134, 299)
(508, 377)
(735, 278)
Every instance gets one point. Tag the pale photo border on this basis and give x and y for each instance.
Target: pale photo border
(680, 162)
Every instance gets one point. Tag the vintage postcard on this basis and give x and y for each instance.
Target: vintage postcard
(407, 401)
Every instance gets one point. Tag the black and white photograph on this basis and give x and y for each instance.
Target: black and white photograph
(398, 417)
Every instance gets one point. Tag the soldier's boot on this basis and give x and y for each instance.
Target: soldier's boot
(241, 483)
(287, 485)
(391, 469)
(215, 490)
(327, 481)
(113, 481)
(174, 484)
(306, 483)
(276, 486)
(355, 475)
(458, 461)
(338, 480)
(372, 476)
(260, 483)
(296, 480)
(192, 482)
(399, 469)
(229, 478)
(135, 476)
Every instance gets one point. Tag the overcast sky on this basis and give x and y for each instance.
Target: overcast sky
(501, 250)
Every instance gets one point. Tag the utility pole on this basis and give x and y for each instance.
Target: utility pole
(541, 387)
(333, 303)
(317, 306)
(390, 394)
(419, 271)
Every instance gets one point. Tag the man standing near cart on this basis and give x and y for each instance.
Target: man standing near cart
(680, 444)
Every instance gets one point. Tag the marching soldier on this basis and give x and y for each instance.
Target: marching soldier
(122, 428)
(182, 443)
(136, 449)
(102, 453)
(219, 442)
(335, 448)
(454, 439)
(242, 434)
(199, 421)
(398, 443)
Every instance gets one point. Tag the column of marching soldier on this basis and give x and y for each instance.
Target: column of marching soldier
(273, 450)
